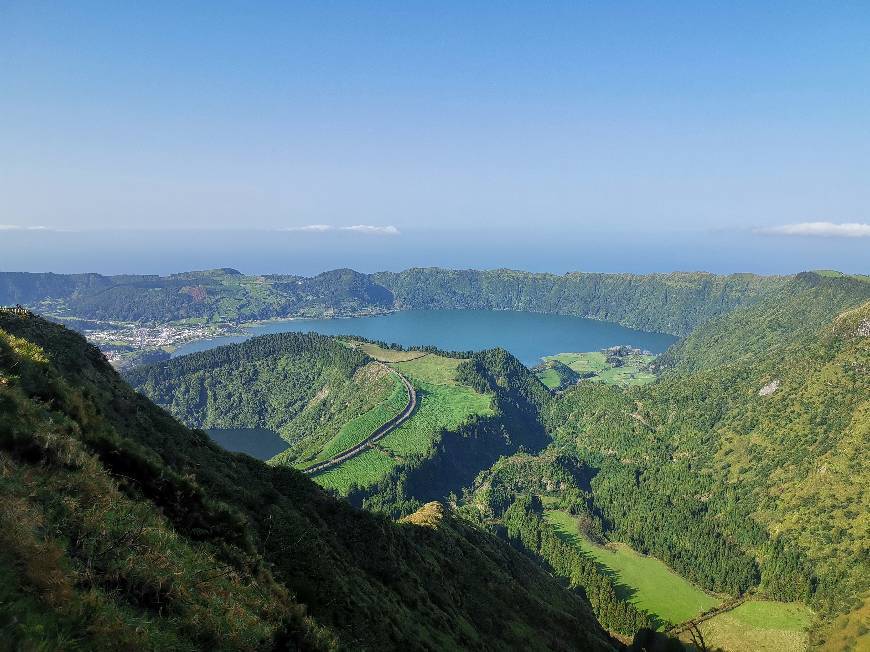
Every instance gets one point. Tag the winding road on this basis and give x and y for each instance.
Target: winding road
(384, 429)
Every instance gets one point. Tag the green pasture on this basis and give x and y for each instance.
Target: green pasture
(759, 625)
(645, 581)
(632, 373)
(442, 404)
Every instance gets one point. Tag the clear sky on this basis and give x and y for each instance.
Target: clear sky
(637, 136)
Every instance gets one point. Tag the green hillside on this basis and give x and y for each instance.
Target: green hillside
(212, 295)
(555, 374)
(320, 395)
(671, 303)
(597, 367)
(653, 586)
(324, 395)
(506, 399)
(444, 405)
(750, 473)
(797, 311)
(122, 529)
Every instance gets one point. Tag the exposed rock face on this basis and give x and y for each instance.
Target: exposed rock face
(769, 389)
(864, 328)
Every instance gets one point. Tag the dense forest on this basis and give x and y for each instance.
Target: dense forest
(670, 303)
(122, 529)
(507, 500)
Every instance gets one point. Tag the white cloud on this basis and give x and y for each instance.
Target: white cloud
(368, 228)
(19, 227)
(820, 229)
(314, 228)
(358, 228)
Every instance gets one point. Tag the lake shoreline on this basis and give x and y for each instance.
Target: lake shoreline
(528, 335)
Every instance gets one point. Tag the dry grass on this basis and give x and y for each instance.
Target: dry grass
(429, 515)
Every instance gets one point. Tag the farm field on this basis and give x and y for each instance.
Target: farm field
(442, 404)
(441, 407)
(364, 470)
(646, 581)
(761, 625)
(631, 373)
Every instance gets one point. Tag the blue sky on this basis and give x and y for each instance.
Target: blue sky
(537, 135)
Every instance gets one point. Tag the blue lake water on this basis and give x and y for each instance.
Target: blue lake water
(256, 442)
(529, 336)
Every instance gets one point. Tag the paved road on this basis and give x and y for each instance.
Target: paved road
(388, 427)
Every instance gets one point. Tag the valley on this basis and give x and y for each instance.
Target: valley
(656, 488)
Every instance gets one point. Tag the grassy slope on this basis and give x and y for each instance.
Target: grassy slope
(358, 428)
(645, 581)
(758, 625)
(443, 404)
(849, 631)
(550, 377)
(796, 311)
(83, 455)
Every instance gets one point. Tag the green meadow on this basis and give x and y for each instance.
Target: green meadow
(364, 470)
(633, 372)
(382, 354)
(645, 581)
(550, 378)
(759, 625)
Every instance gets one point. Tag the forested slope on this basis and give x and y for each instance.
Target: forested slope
(213, 295)
(750, 472)
(323, 397)
(304, 386)
(122, 529)
(795, 311)
(671, 303)
(456, 455)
